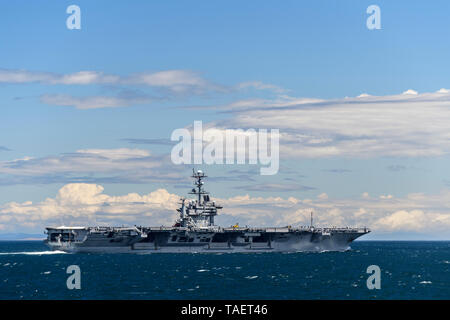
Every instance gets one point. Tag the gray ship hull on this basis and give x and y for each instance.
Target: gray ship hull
(178, 240)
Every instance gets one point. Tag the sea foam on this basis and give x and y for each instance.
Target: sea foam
(37, 253)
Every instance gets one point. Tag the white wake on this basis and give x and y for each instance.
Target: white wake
(34, 253)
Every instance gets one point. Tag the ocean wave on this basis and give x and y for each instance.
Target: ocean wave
(37, 253)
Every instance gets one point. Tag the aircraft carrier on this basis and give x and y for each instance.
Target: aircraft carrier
(195, 232)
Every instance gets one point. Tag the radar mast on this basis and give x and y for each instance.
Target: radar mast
(198, 213)
(198, 176)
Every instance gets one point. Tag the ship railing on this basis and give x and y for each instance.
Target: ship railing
(300, 228)
(111, 229)
(162, 228)
(340, 229)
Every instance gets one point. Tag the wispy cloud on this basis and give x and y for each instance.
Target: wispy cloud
(161, 141)
(92, 165)
(77, 78)
(258, 85)
(175, 81)
(2, 148)
(166, 84)
(275, 187)
(92, 102)
(404, 125)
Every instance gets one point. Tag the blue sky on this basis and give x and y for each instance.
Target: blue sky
(284, 52)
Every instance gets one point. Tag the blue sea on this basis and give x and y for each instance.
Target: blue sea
(409, 270)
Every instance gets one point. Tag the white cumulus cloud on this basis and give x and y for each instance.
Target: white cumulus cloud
(88, 204)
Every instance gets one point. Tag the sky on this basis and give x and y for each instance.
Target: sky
(363, 115)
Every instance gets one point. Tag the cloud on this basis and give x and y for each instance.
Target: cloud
(404, 125)
(275, 187)
(175, 81)
(165, 84)
(2, 148)
(92, 165)
(404, 220)
(92, 102)
(87, 204)
(87, 77)
(414, 213)
(410, 91)
(258, 85)
(77, 78)
(281, 101)
(161, 141)
(84, 204)
(240, 175)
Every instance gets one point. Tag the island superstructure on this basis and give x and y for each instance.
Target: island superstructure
(195, 231)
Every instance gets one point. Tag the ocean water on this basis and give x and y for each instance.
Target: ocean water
(409, 270)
